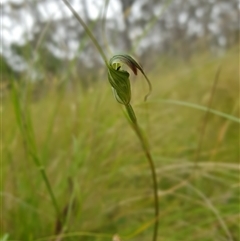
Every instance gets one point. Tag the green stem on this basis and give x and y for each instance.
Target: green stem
(131, 113)
(145, 147)
(25, 125)
(50, 191)
(76, 15)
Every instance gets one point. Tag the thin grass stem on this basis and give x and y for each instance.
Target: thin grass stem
(25, 126)
(77, 16)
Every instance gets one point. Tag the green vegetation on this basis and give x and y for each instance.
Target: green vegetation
(97, 168)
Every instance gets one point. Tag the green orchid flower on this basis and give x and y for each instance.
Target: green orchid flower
(119, 79)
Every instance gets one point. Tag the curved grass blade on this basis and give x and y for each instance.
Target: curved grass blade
(198, 107)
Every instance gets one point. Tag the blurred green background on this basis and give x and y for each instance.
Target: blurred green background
(57, 110)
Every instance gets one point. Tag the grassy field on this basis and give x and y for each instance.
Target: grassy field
(98, 171)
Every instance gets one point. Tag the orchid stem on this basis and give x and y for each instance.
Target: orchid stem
(148, 155)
